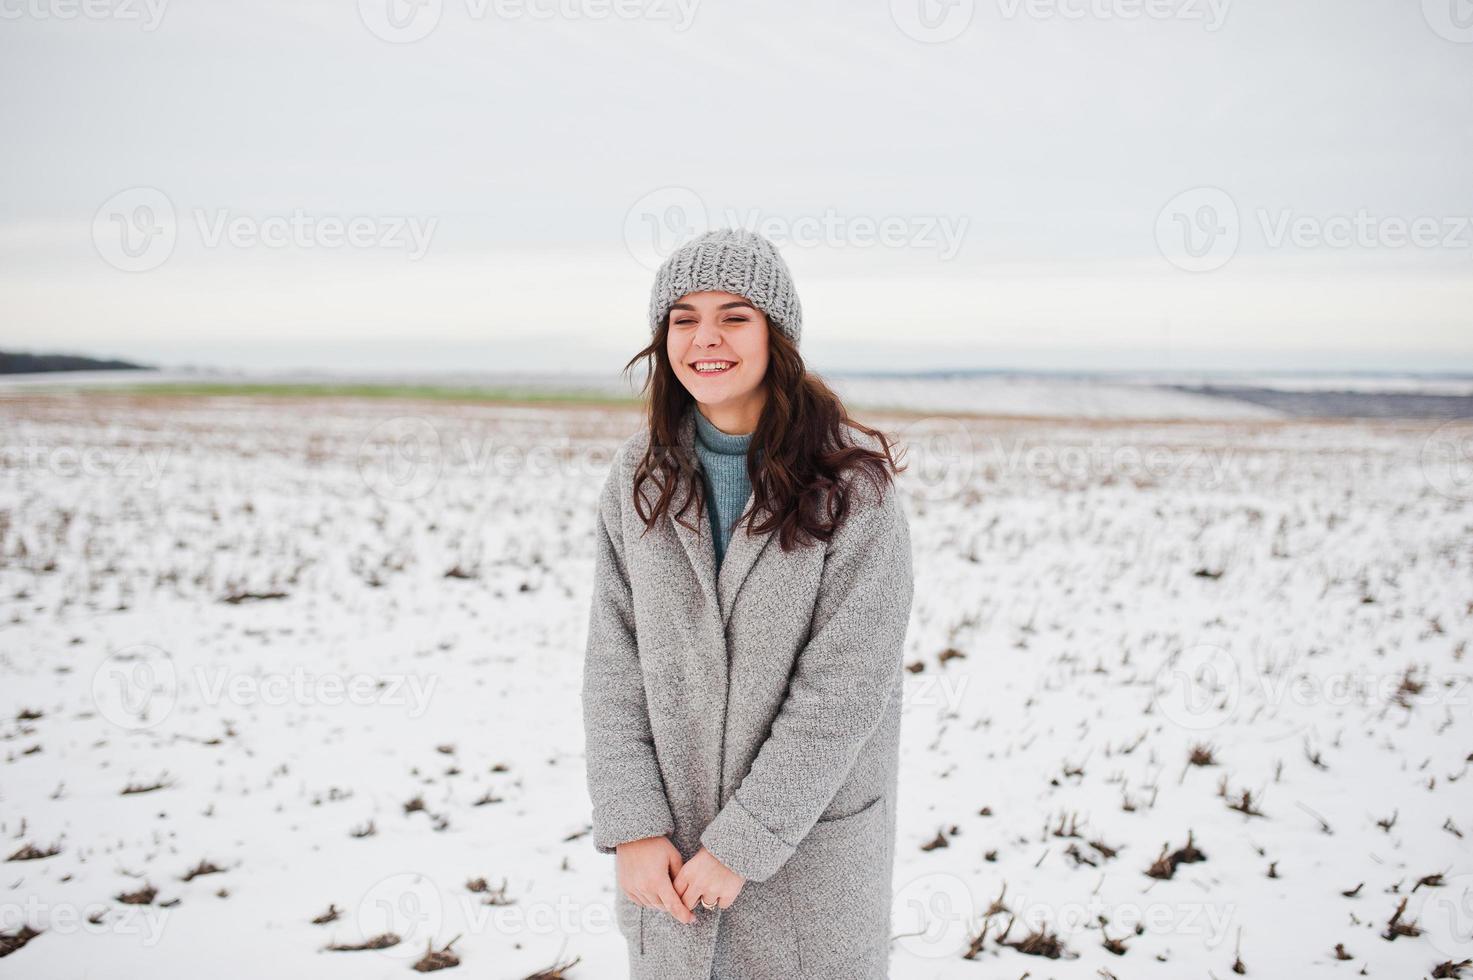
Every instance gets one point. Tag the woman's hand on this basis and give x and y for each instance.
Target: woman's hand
(645, 869)
(704, 877)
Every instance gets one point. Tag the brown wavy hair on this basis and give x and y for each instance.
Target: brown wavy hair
(799, 480)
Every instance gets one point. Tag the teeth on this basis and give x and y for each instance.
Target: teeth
(705, 367)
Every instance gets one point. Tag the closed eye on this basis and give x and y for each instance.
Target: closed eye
(686, 321)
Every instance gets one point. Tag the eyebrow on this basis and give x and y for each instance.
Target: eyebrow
(723, 306)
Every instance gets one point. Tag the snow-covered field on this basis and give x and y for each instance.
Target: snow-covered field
(1064, 398)
(271, 661)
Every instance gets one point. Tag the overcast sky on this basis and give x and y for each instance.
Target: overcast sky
(487, 185)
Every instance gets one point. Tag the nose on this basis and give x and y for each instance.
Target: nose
(707, 334)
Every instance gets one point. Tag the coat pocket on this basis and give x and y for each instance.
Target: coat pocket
(834, 876)
(629, 919)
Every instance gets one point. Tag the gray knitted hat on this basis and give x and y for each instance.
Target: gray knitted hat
(731, 260)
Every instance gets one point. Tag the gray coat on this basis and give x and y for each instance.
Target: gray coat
(755, 712)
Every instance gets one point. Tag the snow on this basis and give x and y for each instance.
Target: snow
(1021, 395)
(1120, 592)
(1389, 383)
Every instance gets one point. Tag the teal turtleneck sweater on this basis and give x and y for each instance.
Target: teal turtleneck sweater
(724, 472)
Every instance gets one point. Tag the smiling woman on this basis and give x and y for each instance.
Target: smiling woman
(717, 343)
(742, 707)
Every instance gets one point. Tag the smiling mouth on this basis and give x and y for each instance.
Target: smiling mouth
(712, 366)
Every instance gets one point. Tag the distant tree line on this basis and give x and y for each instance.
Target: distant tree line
(17, 363)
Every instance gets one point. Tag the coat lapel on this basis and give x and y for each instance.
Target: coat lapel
(700, 547)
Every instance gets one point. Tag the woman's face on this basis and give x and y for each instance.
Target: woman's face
(723, 331)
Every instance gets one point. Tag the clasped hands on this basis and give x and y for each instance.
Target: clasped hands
(653, 874)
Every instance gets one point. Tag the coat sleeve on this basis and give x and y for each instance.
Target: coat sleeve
(839, 688)
(624, 781)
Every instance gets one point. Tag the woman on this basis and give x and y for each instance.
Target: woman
(742, 686)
